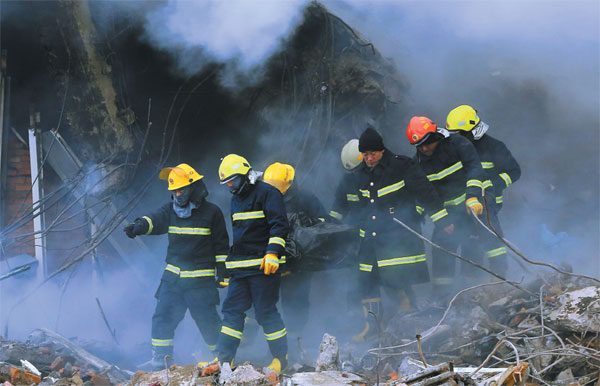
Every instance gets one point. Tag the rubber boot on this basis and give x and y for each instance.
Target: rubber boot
(279, 365)
(369, 306)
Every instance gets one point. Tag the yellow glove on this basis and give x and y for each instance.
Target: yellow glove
(473, 203)
(270, 263)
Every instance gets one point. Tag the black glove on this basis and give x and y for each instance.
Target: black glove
(133, 229)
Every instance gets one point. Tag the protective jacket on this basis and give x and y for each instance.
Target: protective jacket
(346, 201)
(197, 244)
(394, 187)
(455, 170)
(260, 226)
(498, 162)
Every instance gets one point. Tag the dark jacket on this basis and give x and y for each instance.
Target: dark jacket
(197, 244)
(304, 204)
(346, 200)
(394, 187)
(260, 226)
(455, 170)
(498, 162)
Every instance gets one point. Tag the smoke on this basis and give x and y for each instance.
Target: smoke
(241, 34)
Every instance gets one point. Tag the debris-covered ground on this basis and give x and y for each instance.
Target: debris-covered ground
(546, 333)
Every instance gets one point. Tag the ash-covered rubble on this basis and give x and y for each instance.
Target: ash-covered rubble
(498, 335)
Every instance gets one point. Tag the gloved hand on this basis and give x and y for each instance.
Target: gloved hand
(222, 282)
(270, 263)
(473, 203)
(133, 229)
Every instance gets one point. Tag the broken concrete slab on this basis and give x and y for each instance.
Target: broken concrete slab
(578, 310)
(246, 375)
(329, 354)
(175, 376)
(324, 378)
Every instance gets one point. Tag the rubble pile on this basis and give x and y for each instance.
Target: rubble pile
(551, 326)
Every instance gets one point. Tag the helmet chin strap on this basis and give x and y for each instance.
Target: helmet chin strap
(239, 184)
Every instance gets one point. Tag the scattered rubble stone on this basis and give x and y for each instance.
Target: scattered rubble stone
(329, 353)
(578, 310)
(324, 378)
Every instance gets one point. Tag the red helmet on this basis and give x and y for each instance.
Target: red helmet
(419, 129)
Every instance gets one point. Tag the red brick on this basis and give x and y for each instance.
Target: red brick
(22, 187)
(18, 180)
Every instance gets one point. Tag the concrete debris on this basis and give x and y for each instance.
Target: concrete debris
(329, 354)
(246, 375)
(578, 310)
(324, 378)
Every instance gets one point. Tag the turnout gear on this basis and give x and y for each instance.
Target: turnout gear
(179, 176)
(351, 156)
(260, 226)
(370, 140)
(474, 204)
(280, 176)
(270, 264)
(162, 358)
(198, 247)
(455, 170)
(496, 159)
(232, 166)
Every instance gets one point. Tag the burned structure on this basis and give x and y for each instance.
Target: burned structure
(90, 113)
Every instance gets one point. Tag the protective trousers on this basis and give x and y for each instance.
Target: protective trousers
(475, 243)
(172, 303)
(263, 292)
(295, 300)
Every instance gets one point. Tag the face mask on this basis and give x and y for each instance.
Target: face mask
(183, 199)
(185, 211)
(239, 183)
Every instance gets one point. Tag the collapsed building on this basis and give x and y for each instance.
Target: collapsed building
(80, 155)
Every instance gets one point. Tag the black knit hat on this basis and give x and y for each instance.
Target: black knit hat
(370, 140)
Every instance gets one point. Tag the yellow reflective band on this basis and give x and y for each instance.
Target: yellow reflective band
(446, 172)
(231, 332)
(487, 165)
(282, 260)
(499, 200)
(220, 258)
(366, 267)
(276, 335)
(436, 216)
(401, 260)
(162, 342)
(273, 260)
(211, 347)
(352, 197)
(496, 252)
(335, 215)
(371, 300)
(150, 225)
(475, 183)
(506, 179)
(458, 200)
(470, 202)
(442, 280)
(189, 231)
(419, 209)
(487, 184)
(172, 268)
(361, 232)
(365, 193)
(248, 215)
(198, 273)
(390, 189)
(277, 240)
(243, 263)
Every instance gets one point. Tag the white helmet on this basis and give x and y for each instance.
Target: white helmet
(351, 157)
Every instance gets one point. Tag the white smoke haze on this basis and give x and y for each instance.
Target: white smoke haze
(241, 34)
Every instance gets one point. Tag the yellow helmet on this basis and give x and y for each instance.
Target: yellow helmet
(351, 156)
(179, 176)
(463, 118)
(280, 176)
(232, 166)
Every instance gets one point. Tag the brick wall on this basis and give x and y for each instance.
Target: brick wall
(17, 197)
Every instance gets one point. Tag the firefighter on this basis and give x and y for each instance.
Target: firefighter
(453, 166)
(389, 186)
(496, 159)
(198, 247)
(306, 210)
(345, 198)
(260, 226)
